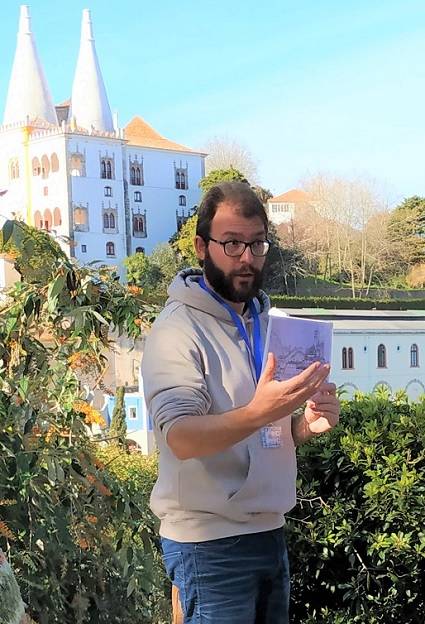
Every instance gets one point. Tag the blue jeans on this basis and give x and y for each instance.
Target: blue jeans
(234, 580)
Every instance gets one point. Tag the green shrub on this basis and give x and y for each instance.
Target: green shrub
(357, 535)
(345, 303)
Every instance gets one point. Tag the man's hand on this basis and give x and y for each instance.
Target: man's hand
(320, 415)
(276, 399)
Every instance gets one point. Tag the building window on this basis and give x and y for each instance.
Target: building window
(110, 249)
(132, 413)
(83, 248)
(38, 220)
(108, 191)
(344, 357)
(382, 356)
(414, 356)
(13, 169)
(137, 196)
(36, 167)
(57, 217)
(77, 165)
(54, 162)
(350, 358)
(182, 200)
(140, 250)
(181, 178)
(45, 190)
(139, 225)
(45, 166)
(136, 175)
(81, 222)
(106, 170)
(109, 222)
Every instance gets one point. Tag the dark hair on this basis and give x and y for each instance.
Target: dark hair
(238, 193)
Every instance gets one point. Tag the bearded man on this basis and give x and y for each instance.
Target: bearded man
(224, 426)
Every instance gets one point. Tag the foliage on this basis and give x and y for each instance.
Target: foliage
(406, 231)
(283, 265)
(63, 529)
(224, 152)
(343, 303)
(155, 272)
(221, 175)
(357, 535)
(118, 428)
(184, 242)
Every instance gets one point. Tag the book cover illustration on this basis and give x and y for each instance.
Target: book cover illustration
(296, 342)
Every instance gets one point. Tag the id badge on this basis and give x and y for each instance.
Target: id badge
(271, 436)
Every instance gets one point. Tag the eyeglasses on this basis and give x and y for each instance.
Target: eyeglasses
(235, 248)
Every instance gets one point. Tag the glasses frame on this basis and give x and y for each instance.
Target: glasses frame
(224, 243)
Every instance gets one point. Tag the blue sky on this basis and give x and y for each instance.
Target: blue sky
(308, 86)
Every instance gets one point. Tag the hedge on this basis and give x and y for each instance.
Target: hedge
(342, 303)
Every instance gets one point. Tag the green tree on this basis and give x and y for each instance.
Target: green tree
(406, 230)
(221, 175)
(65, 522)
(155, 272)
(118, 428)
(283, 266)
(262, 193)
(184, 243)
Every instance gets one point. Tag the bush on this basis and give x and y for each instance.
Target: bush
(344, 303)
(357, 537)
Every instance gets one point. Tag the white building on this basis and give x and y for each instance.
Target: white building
(282, 208)
(70, 169)
(374, 348)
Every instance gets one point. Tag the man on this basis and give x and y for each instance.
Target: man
(223, 489)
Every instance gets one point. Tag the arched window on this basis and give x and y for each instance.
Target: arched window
(138, 223)
(112, 220)
(47, 219)
(182, 181)
(132, 175)
(81, 223)
(103, 169)
(140, 250)
(382, 356)
(36, 167)
(54, 162)
(344, 357)
(109, 170)
(137, 180)
(77, 165)
(350, 357)
(13, 169)
(57, 217)
(38, 220)
(106, 221)
(110, 249)
(414, 356)
(182, 200)
(178, 180)
(45, 166)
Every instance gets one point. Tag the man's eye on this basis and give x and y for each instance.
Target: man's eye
(233, 243)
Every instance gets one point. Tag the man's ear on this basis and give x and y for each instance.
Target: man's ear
(200, 247)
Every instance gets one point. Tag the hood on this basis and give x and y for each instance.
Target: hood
(185, 289)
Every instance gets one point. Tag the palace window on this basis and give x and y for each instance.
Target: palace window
(414, 356)
(36, 167)
(139, 225)
(181, 178)
(13, 169)
(83, 248)
(140, 250)
(45, 166)
(182, 200)
(57, 217)
(347, 358)
(137, 196)
(110, 249)
(109, 222)
(77, 165)
(106, 169)
(382, 356)
(54, 162)
(81, 221)
(108, 191)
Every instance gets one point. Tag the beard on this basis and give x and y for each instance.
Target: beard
(224, 284)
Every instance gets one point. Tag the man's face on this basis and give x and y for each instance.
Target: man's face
(236, 279)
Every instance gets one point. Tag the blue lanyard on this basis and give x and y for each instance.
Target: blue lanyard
(256, 354)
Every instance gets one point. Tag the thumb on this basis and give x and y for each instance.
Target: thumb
(269, 369)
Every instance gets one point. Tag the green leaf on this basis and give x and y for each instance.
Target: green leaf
(131, 586)
(56, 287)
(7, 231)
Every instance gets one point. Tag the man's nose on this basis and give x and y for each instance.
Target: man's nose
(247, 254)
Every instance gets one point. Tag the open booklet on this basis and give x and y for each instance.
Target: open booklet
(296, 342)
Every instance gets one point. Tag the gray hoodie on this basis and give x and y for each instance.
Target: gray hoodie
(196, 363)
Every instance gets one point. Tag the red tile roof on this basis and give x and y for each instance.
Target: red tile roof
(293, 196)
(140, 133)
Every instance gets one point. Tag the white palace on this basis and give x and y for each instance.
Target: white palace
(105, 192)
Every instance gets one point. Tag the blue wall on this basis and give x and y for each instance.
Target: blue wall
(142, 421)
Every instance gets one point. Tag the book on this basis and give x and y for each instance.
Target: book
(296, 342)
